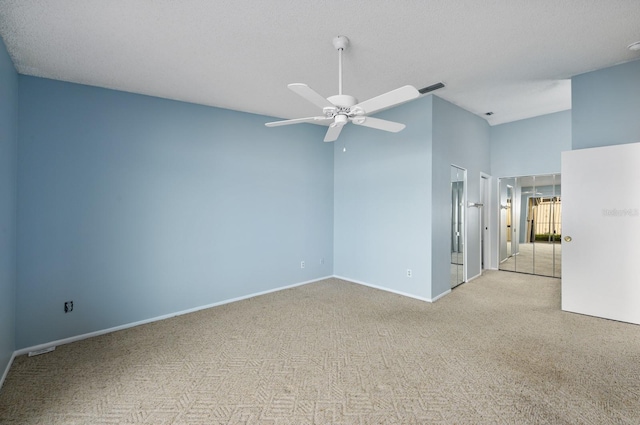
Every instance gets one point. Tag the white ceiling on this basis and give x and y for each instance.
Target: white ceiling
(511, 57)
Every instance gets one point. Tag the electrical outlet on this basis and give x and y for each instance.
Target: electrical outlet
(409, 273)
(302, 264)
(68, 306)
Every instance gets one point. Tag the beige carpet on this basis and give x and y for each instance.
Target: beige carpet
(497, 350)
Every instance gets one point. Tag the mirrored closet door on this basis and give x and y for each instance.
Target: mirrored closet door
(458, 183)
(530, 224)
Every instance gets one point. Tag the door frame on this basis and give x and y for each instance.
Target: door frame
(485, 222)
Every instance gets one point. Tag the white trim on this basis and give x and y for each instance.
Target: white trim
(155, 319)
(6, 370)
(382, 288)
(486, 212)
(497, 223)
(465, 218)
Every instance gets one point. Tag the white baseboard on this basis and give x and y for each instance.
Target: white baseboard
(153, 319)
(6, 370)
(382, 288)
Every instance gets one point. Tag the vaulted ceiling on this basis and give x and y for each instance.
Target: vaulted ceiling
(510, 57)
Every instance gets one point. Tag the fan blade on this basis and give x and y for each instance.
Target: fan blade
(311, 95)
(389, 99)
(379, 124)
(298, 121)
(332, 133)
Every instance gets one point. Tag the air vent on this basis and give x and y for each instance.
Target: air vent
(431, 88)
(634, 46)
(41, 351)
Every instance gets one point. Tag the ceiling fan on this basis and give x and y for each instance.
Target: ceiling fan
(341, 109)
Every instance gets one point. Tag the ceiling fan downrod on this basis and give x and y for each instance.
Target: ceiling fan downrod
(340, 43)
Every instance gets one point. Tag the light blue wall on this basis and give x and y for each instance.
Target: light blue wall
(135, 207)
(606, 106)
(393, 199)
(382, 208)
(8, 203)
(463, 139)
(531, 146)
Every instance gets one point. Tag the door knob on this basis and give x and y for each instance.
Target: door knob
(567, 239)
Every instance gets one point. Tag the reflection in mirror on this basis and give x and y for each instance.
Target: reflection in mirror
(535, 208)
(557, 228)
(507, 258)
(457, 225)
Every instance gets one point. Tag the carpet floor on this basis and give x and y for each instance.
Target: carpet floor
(497, 350)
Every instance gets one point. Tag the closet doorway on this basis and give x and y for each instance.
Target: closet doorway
(531, 225)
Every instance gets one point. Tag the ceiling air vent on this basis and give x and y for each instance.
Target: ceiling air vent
(431, 88)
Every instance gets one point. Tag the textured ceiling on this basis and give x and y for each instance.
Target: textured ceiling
(511, 57)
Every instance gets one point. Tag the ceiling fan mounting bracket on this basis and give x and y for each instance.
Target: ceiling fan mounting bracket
(340, 42)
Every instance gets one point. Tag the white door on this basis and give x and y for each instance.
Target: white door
(601, 232)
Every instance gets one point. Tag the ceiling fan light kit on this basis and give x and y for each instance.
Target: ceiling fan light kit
(340, 109)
